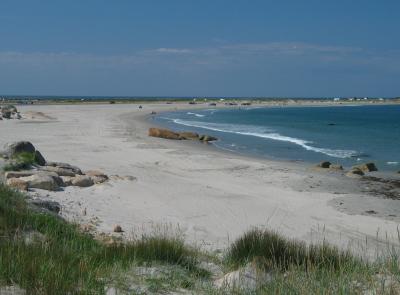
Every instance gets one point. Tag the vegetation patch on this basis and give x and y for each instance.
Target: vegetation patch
(21, 161)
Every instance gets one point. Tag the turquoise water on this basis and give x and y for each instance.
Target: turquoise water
(345, 135)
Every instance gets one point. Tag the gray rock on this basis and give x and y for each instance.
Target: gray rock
(82, 181)
(60, 171)
(39, 159)
(43, 181)
(48, 205)
(17, 174)
(97, 176)
(248, 278)
(74, 169)
(12, 149)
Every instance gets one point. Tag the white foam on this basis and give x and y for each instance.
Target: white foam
(197, 115)
(392, 163)
(266, 133)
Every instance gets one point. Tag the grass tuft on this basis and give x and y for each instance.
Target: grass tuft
(20, 161)
(272, 249)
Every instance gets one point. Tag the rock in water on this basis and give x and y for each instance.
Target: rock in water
(82, 181)
(189, 135)
(325, 164)
(367, 167)
(207, 138)
(164, 133)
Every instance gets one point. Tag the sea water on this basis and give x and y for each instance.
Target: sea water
(341, 134)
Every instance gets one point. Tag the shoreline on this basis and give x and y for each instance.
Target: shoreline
(212, 196)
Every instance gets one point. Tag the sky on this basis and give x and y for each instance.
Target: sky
(308, 48)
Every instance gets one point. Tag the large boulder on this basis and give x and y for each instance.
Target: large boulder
(366, 167)
(82, 181)
(43, 181)
(189, 135)
(164, 133)
(15, 148)
(39, 159)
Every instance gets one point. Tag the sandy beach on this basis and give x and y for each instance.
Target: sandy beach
(211, 196)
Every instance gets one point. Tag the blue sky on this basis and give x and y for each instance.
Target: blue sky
(200, 48)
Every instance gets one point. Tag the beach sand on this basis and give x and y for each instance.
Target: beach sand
(211, 196)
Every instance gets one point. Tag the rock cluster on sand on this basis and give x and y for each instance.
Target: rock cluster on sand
(329, 165)
(366, 167)
(45, 175)
(355, 172)
(9, 112)
(168, 134)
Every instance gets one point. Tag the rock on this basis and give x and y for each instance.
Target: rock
(6, 114)
(31, 237)
(39, 159)
(247, 278)
(74, 169)
(82, 181)
(60, 171)
(17, 174)
(97, 176)
(17, 183)
(12, 290)
(207, 138)
(325, 164)
(367, 167)
(67, 180)
(43, 181)
(189, 135)
(164, 133)
(12, 149)
(48, 205)
(355, 173)
(117, 229)
(335, 167)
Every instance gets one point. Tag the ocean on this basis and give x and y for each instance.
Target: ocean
(345, 135)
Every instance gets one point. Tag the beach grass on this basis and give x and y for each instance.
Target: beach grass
(20, 161)
(43, 254)
(62, 260)
(274, 249)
